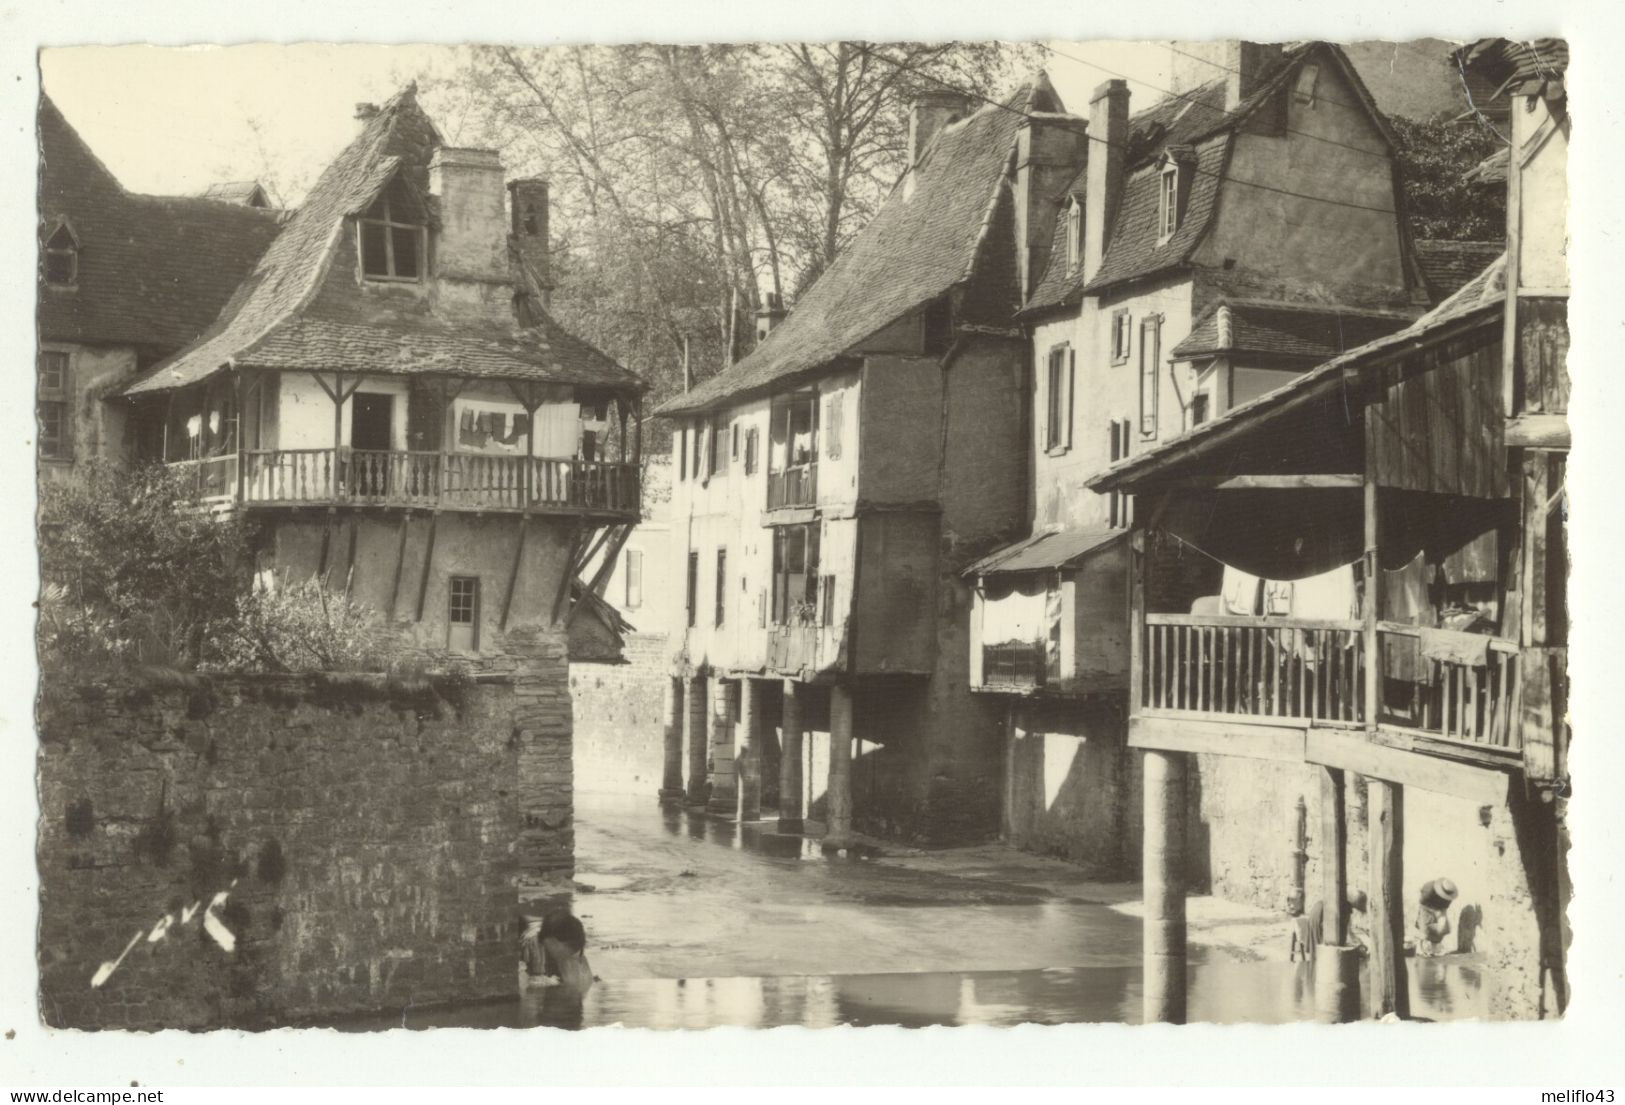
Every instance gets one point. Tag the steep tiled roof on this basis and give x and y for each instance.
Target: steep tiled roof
(273, 321)
(246, 192)
(153, 271)
(927, 238)
(1276, 328)
(1197, 121)
(1482, 294)
(1521, 67)
(1450, 265)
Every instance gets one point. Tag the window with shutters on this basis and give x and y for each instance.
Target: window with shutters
(753, 446)
(1121, 331)
(826, 593)
(1058, 410)
(795, 574)
(634, 578)
(1119, 431)
(833, 417)
(1150, 353)
(52, 406)
(693, 587)
(682, 452)
(719, 446)
(698, 429)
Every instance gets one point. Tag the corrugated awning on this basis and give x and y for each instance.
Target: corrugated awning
(1045, 550)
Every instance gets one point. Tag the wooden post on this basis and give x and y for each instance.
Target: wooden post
(1162, 873)
(748, 750)
(838, 831)
(671, 781)
(1385, 821)
(694, 731)
(791, 787)
(242, 466)
(1136, 621)
(428, 562)
(1337, 965)
(513, 572)
(1373, 585)
(338, 431)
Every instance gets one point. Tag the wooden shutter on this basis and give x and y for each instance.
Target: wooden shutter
(832, 431)
(1150, 354)
(1071, 393)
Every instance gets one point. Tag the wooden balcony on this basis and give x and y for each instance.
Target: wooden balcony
(445, 481)
(795, 486)
(1015, 665)
(1218, 670)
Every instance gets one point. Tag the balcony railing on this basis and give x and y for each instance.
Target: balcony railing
(412, 478)
(208, 477)
(1016, 664)
(795, 486)
(1315, 672)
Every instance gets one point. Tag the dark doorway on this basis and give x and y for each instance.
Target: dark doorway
(372, 418)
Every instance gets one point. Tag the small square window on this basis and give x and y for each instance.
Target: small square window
(53, 372)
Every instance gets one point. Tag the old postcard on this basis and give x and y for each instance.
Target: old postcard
(868, 533)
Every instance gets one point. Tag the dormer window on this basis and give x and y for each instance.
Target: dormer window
(1303, 90)
(1074, 234)
(59, 260)
(394, 238)
(1168, 203)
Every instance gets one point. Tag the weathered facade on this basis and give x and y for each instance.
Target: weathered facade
(831, 487)
(1416, 483)
(1207, 249)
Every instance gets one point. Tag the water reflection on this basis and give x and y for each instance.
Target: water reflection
(1448, 988)
(761, 837)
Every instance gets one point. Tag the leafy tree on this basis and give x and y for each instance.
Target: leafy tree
(297, 627)
(132, 572)
(1435, 157)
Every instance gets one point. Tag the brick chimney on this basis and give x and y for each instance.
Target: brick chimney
(529, 204)
(1050, 149)
(472, 243)
(1108, 135)
(769, 315)
(1243, 66)
(930, 112)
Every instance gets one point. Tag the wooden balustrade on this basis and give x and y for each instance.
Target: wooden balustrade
(1015, 664)
(1466, 702)
(797, 486)
(415, 478)
(208, 477)
(1253, 666)
(1314, 672)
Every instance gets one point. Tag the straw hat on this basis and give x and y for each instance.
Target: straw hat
(1439, 893)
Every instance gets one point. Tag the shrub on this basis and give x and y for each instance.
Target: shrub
(296, 627)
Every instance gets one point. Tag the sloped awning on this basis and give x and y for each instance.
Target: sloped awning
(1045, 551)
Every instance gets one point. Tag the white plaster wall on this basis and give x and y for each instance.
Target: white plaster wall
(1544, 199)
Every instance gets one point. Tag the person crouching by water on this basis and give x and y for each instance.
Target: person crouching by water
(554, 950)
(1309, 929)
(1433, 917)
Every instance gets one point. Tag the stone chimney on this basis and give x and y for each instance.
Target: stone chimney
(1050, 149)
(769, 315)
(472, 244)
(529, 203)
(1108, 135)
(365, 111)
(1243, 66)
(930, 112)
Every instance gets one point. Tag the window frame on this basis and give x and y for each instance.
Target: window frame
(693, 587)
(722, 587)
(783, 596)
(57, 398)
(389, 226)
(1074, 235)
(1308, 75)
(1060, 383)
(471, 606)
(1168, 190)
(1122, 336)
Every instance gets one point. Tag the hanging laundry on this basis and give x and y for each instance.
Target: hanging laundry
(1239, 591)
(1278, 597)
(1327, 597)
(499, 427)
(1453, 647)
(1404, 598)
(466, 435)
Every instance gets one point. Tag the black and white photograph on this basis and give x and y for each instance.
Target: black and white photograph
(868, 533)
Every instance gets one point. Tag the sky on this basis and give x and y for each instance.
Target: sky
(172, 120)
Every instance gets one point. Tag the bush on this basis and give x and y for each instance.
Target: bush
(296, 627)
(133, 572)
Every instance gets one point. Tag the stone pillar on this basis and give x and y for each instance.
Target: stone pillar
(543, 720)
(671, 780)
(791, 791)
(724, 712)
(748, 762)
(838, 833)
(1164, 877)
(1337, 984)
(694, 732)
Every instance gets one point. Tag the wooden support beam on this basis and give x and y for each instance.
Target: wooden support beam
(241, 393)
(577, 537)
(400, 561)
(513, 573)
(1368, 755)
(1368, 614)
(1272, 482)
(1333, 875)
(327, 542)
(1538, 431)
(428, 563)
(1385, 828)
(611, 551)
(1136, 621)
(349, 568)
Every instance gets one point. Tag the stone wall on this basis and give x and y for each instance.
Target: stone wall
(266, 849)
(1072, 789)
(619, 725)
